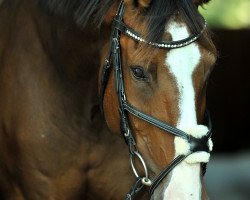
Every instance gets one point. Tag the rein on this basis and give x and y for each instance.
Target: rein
(196, 145)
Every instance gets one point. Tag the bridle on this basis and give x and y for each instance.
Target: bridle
(114, 58)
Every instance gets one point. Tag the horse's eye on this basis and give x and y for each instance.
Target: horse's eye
(138, 72)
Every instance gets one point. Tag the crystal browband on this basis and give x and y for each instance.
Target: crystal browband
(164, 44)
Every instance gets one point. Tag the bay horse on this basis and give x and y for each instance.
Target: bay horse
(147, 64)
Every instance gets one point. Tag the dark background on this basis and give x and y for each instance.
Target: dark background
(229, 91)
(228, 99)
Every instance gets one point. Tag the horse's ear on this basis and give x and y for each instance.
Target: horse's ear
(144, 3)
(200, 2)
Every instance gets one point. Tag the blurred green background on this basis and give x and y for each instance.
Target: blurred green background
(228, 14)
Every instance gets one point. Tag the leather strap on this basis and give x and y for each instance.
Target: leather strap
(165, 172)
(135, 189)
(156, 122)
(104, 81)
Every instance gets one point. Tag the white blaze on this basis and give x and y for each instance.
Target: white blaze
(185, 178)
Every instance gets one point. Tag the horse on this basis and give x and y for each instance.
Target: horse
(77, 78)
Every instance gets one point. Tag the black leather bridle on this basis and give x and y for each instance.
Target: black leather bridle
(114, 58)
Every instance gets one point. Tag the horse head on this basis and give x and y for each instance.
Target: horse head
(162, 83)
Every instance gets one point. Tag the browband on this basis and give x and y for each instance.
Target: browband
(162, 45)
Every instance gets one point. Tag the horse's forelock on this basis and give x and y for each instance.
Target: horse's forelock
(157, 13)
(161, 11)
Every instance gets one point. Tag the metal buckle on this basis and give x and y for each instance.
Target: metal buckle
(132, 145)
(123, 96)
(126, 134)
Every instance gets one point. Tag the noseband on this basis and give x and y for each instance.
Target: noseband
(197, 145)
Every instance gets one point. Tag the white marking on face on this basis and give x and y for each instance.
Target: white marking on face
(185, 178)
(182, 62)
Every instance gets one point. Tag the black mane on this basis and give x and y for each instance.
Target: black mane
(158, 13)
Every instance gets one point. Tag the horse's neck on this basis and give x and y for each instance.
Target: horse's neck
(55, 56)
(75, 58)
(48, 98)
